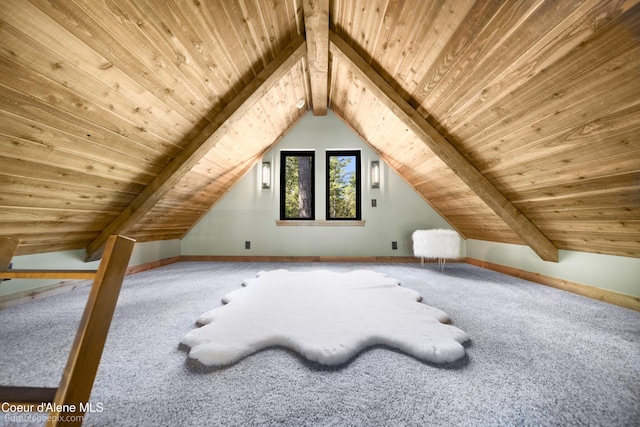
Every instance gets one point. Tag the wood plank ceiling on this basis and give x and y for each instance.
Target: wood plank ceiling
(518, 121)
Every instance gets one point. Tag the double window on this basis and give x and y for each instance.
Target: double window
(297, 185)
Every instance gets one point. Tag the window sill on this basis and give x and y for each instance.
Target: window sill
(319, 222)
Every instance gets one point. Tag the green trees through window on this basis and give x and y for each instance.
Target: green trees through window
(297, 185)
(343, 185)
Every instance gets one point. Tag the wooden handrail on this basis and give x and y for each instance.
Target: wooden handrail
(49, 274)
(84, 358)
(72, 396)
(8, 247)
(27, 396)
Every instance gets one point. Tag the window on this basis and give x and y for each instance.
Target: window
(343, 185)
(297, 185)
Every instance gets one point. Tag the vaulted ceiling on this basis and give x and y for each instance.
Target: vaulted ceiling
(518, 121)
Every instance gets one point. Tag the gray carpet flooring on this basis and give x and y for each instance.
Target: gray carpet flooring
(537, 357)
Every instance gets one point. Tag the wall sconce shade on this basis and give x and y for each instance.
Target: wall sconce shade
(375, 174)
(266, 174)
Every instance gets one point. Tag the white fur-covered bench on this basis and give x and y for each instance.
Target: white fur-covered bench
(438, 243)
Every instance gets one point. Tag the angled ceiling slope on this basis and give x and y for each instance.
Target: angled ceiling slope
(517, 121)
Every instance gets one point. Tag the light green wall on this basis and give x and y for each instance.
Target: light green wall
(615, 273)
(74, 260)
(249, 213)
(145, 252)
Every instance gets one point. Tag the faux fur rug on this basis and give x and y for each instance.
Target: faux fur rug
(325, 316)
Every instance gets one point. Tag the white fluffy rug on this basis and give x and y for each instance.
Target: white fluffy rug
(325, 316)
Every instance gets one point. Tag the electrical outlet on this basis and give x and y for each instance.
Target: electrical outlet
(247, 245)
(374, 203)
(394, 245)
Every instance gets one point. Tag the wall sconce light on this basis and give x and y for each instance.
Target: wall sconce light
(266, 174)
(375, 174)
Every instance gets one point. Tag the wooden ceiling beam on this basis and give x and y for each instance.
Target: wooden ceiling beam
(8, 247)
(477, 182)
(316, 22)
(197, 148)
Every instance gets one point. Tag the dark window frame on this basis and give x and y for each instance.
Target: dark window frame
(358, 172)
(283, 179)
